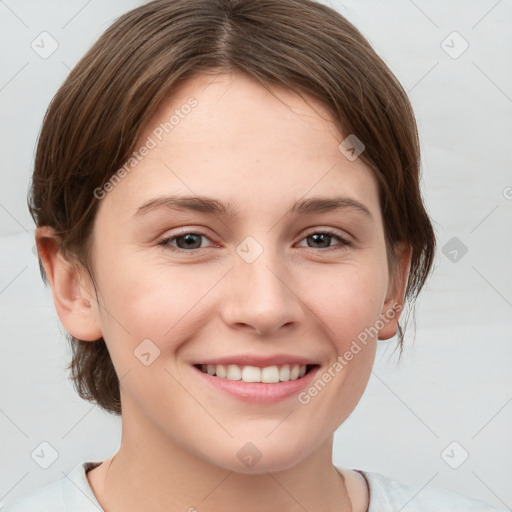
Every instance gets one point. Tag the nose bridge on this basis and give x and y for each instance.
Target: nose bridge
(262, 295)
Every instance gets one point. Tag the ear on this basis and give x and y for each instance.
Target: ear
(72, 294)
(394, 302)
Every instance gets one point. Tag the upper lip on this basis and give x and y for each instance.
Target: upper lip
(258, 360)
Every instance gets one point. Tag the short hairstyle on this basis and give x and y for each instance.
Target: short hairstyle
(98, 115)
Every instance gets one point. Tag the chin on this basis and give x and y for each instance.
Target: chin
(268, 457)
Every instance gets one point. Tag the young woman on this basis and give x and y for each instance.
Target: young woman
(228, 212)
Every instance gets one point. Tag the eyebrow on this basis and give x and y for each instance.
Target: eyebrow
(203, 204)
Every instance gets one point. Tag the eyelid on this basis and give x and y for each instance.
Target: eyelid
(346, 241)
(166, 239)
(330, 231)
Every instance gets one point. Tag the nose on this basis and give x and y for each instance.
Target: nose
(261, 296)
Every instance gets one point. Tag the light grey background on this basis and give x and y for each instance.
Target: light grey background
(454, 382)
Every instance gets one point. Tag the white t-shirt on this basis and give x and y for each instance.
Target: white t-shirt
(74, 494)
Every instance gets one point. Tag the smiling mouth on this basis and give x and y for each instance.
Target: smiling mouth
(248, 373)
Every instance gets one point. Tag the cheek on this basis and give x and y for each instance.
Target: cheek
(154, 301)
(160, 300)
(168, 301)
(347, 298)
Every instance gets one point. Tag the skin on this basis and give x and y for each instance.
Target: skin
(180, 437)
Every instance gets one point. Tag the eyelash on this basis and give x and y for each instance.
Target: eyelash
(345, 243)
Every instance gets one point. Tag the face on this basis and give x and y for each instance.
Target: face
(246, 285)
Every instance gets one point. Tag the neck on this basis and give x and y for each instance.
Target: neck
(293, 490)
(158, 475)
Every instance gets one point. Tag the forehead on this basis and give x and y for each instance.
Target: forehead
(227, 136)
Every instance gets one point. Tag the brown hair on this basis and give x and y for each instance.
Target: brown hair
(97, 116)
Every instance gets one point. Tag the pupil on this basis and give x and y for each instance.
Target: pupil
(189, 240)
(317, 235)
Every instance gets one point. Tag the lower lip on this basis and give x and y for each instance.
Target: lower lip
(259, 392)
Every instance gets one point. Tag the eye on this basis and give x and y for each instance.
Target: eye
(185, 242)
(324, 237)
(188, 241)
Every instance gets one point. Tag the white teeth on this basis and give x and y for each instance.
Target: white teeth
(270, 374)
(251, 374)
(267, 375)
(220, 371)
(284, 372)
(234, 372)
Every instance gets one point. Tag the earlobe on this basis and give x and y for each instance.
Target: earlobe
(394, 302)
(72, 296)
